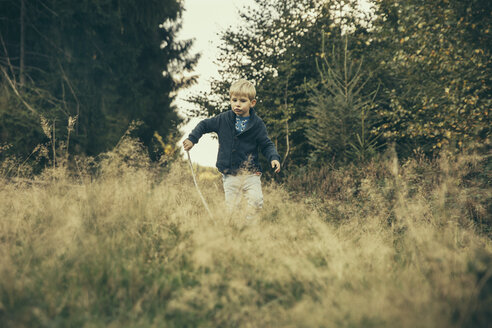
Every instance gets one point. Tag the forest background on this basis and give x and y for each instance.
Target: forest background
(337, 83)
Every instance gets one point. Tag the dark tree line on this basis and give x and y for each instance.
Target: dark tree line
(104, 62)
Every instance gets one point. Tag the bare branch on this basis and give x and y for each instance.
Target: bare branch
(12, 85)
(7, 58)
(65, 77)
(48, 8)
(286, 121)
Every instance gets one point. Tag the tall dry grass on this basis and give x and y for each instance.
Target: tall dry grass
(127, 246)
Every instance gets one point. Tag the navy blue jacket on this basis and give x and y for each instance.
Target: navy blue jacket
(237, 151)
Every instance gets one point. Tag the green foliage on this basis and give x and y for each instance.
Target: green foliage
(436, 59)
(275, 48)
(430, 63)
(106, 62)
(14, 118)
(341, 107)
(366, 146)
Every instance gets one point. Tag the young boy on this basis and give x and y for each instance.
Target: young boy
(241, 132)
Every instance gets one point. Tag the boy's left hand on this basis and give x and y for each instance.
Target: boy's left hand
(276, 165)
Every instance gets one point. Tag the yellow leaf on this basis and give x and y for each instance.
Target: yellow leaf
(168, 149)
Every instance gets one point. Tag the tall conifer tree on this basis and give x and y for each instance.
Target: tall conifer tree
(106, 62)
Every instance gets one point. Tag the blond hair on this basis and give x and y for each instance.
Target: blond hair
(243, 88)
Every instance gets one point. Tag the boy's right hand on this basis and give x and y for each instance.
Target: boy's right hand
(187, 144)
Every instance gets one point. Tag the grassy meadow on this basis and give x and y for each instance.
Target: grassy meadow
(130, 245)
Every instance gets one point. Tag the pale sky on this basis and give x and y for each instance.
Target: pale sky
(202, 20)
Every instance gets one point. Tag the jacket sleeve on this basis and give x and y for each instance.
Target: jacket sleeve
(205, 126)
(266, 145)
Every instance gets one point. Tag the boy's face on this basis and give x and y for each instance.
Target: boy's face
(241, 105)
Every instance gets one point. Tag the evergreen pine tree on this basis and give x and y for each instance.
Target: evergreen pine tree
(108, 63)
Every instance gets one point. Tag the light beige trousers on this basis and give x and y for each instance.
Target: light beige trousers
(249, 185)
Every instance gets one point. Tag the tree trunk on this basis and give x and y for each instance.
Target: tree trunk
(286, 112)
(22, 42)
(287, 142)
